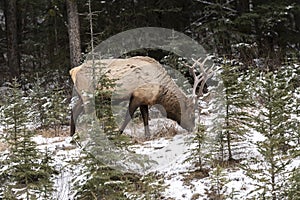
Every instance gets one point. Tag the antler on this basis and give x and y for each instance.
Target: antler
(202, 78)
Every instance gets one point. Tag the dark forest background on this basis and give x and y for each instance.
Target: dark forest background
(34, 34)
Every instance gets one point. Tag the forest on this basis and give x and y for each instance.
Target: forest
(237, 61)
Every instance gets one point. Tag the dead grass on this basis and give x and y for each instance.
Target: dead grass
(197, 174)
(168, 131)
(227, 163)
(50, 133)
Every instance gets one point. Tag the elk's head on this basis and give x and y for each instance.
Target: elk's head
(188, 115)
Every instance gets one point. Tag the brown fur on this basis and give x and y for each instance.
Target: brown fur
(142, 81)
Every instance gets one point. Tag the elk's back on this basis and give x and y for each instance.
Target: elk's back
(128, 74)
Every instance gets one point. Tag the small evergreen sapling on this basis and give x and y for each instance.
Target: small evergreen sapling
(100, 177)
(198, 156)
(293, 191)
(269, 168)
(218, 180)
(24, 168)
(57, 110)
(39, 97)
(49, 103)
(229, 105)
(98, 181)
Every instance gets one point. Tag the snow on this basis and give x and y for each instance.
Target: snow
(177, 189)
(165, 152)
(63, 153)
(169, 154)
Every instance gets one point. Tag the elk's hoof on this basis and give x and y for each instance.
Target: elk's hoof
(148, 136)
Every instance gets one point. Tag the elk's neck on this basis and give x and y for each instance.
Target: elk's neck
(171, 101)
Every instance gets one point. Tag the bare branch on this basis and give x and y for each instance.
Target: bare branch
(222, 5)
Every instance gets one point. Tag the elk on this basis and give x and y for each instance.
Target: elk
(140, 80)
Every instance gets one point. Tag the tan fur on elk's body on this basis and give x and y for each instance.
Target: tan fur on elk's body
(153, 94)
(143, 81)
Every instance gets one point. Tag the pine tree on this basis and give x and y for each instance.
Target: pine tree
(15, 114)
(57, 110)
(48, 100)
(214, 130)
(218, 180)
(103, 104)
(293, 191)
(198, 156)
(273, 122)
(231, 101)
(293, 74)
(297, 116)
(47, 169)
(98, 181)
(39, 97)
(102, 178)
(24, 169)
(217, 26)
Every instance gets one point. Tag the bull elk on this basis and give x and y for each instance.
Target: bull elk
(142, 81)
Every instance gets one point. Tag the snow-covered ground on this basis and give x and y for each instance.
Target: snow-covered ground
(169, 154)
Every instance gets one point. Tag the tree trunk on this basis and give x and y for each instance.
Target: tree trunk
(74, 34)
(12, 40)
(74, 45)
(243, 6)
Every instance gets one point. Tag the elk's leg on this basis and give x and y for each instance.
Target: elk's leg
(75, 112)
(133, 105)
(145, 115)
(72, 125)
